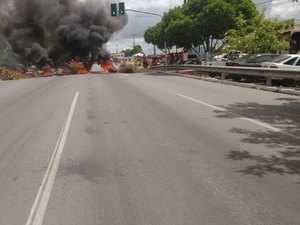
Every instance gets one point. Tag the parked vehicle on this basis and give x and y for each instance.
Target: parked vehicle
(287, 61)
(222, 57)
(254, 60)
(230, 56)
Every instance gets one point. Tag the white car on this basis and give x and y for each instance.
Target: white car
(287, 61)
(222, 57)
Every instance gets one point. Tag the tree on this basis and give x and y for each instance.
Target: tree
(127, 52)
(199, 22)
(154, 35)
(10, 54)
(168, 19)
(260, 36)
(137, 49)
(217, 10)
(244, 8)
(131, 52)
(173, 30)
(213, 18)
(179, 31)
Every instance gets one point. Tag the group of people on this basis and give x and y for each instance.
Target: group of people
(176, 58)
(171, 58)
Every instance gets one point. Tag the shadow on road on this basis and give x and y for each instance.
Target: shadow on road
(283, 162)
(287, 163)
(285, 116)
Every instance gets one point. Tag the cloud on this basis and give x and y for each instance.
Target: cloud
(138, 23)
(285, 10)
(281, 9)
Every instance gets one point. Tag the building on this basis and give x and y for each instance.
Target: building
(117, 56)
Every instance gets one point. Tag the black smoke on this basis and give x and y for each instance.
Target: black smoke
(52, 32)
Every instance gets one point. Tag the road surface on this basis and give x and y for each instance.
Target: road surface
(147, 149)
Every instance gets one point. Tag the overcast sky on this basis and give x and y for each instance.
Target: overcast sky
(138, 23)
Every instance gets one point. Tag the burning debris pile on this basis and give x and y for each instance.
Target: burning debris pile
(8, 74)
(76, 67)
(106, 64)
(108, 67)
(52, 33)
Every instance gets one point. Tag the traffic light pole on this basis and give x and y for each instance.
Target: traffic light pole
(139, 11)
(149, 13)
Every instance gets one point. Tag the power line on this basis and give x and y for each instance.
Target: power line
(272, 2)
(266, 2)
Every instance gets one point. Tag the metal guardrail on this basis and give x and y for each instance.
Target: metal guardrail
(269, 73)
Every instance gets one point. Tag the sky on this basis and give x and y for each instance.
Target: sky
(138, 23)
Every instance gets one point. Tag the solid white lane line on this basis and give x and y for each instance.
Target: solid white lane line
(126, 74)
(39, 207)
(234, 114)
(202, 103)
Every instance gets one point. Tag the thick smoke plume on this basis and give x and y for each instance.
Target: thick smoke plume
(51, 32)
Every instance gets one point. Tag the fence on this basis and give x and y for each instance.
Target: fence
(269, 73)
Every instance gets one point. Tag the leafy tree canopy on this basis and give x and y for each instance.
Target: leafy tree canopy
(260, 36)
(154, 35)
(131, 52)
(10, 54)
(213, 18)
(199, 22)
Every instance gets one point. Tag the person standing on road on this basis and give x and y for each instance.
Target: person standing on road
(145, 64)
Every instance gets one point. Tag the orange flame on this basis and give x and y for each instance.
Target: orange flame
(47, 73)
(82, 71)
(107, 66)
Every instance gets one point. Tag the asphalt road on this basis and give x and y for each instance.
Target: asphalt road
(151, 149)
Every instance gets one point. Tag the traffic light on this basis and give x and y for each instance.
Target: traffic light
(121, 8)
(113, 9)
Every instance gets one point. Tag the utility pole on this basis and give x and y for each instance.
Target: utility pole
(133, 36)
